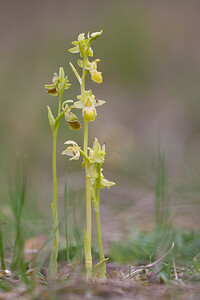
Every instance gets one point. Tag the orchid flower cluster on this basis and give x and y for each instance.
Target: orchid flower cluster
(93, 158)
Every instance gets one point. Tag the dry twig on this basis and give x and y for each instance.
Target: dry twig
(142, 268)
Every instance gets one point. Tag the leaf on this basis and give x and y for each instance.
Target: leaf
(51, 118)
(98, 267)
(76, 73)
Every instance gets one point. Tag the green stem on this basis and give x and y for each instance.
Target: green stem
(97, 212)
(85, 141)
(66, 221)
(59, 105)
(86, 158)
(88, 253)
(101, 255)
(54, 255)
(59, 117)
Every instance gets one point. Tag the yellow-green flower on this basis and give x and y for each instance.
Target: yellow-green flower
(88, 104)
(97, 154)
(73, 150)
(89, 111)
(92, 68)
(95, 75)
(82, 45)
(71, 118)
(106, 183)
(59, 84)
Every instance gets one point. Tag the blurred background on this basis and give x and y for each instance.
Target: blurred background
(150, 61)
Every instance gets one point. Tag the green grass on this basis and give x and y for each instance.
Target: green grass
(3, 267)
(17, 200)
(144, 245)
(140, 248)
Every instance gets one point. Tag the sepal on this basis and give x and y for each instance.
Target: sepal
(106, 183)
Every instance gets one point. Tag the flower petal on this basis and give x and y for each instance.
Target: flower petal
(49, 86)
(68, 152)
(79, 104)
(89, 114)
(61, 73)
(81, 37)
(80, 97)
(96, 147)
(96, 76)
(65, 105)
(106, 183)
(52, 92)
(70, 117)
(71, 142)
(74, 125)
(75, 157)
(75, 49)
(99, 102)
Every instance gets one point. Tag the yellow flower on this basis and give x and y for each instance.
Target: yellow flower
(95, 75)
(89, 111)
(88, 104)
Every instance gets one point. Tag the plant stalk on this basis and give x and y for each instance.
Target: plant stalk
(66, 221)
(87, 249)
(54, 255)
(98, 222)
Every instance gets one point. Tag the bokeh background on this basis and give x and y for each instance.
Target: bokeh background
(150, 62)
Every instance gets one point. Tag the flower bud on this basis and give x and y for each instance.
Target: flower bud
(96, 76)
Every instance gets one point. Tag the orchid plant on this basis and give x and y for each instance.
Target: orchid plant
(93, 158)
(56, 88)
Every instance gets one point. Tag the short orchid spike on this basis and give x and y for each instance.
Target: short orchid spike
(56, 88)
(58, 85)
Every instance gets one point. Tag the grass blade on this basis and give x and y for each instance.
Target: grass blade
(3, 267)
